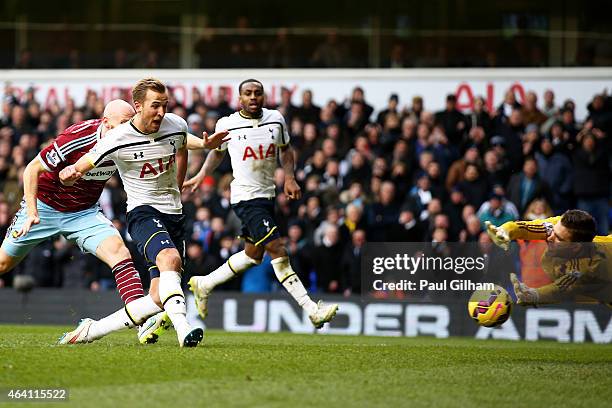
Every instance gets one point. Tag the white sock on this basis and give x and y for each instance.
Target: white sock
(111, 323)
(173, 299)
(289, 279)
(141, 309)
(134, 313)
(235, 265)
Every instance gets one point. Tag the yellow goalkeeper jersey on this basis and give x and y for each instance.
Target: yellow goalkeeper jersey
(585, 276)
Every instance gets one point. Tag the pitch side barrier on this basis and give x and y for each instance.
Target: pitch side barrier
(276, 312)
(578, 84)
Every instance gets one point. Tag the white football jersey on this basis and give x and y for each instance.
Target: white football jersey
(253, 149)
(146, 162)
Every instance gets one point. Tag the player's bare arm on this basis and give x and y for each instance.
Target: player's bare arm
(292, 188)
(207, 142)
(181, 166)
(213, 160)
(70, 174)
(30, 189)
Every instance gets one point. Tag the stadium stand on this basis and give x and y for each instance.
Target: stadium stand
(368, 173)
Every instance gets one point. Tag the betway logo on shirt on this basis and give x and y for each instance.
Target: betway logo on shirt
(100, 173)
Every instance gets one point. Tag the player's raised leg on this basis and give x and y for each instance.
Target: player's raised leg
(93, 233)
(131, 315)
(17, 243)
(319, 313)
(201, 286)
(256, 222)
(7, 262)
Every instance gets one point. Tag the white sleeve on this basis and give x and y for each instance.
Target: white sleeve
(184, 128)
(105, 149)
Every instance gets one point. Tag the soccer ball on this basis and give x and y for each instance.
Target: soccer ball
(490, 308)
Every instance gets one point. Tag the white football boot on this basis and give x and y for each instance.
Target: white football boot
(323, 314)
(200, 294)
(155, 325)
(193, 338)
(78, 335)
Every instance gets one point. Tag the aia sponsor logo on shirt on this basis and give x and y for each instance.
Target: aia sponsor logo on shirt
(157, 167)
(258, 152)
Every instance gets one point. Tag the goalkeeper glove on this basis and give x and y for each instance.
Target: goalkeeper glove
(499, 235)
(525, 295)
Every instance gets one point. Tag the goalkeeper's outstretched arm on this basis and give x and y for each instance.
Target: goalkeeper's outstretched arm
(527, 230)
(530, 230)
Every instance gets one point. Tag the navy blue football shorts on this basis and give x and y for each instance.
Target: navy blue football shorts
(154, 231)
(257, 217)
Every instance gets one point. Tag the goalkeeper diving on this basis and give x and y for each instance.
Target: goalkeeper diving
(578, 261)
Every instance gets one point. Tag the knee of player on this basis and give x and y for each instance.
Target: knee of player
(254, 252)
(123, 252)
(114, 243)
(4, 266)
(6, 262)
(168, 259)
(276, 249)
(114, 247)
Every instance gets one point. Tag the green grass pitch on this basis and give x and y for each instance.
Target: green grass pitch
(285, 370)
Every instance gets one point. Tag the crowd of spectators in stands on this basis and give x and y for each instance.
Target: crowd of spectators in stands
(396, 173)
(245, 49)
